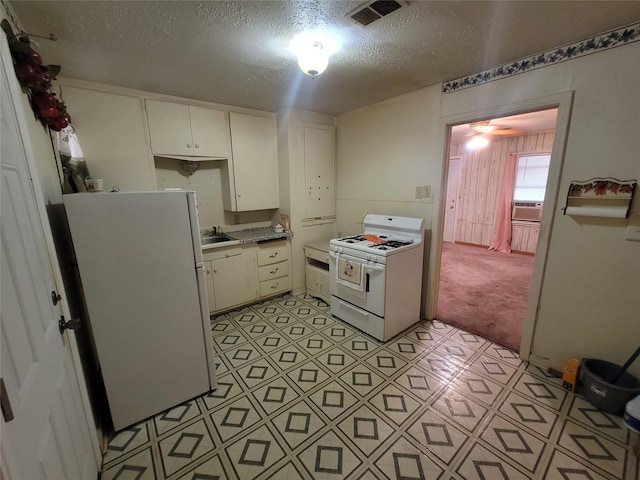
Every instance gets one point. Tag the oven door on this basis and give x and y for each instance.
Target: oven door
(371, 298)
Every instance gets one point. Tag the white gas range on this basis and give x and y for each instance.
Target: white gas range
(376, 277)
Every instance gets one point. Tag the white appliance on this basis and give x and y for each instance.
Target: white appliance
(376, 278)
(140, 263)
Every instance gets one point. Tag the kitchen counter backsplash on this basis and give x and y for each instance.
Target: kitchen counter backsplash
(259, 234)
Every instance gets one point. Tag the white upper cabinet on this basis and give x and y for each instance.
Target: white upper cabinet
(319, 171)
(187, 130)
(254, 169)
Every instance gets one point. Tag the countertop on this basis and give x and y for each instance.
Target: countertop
(249, 235)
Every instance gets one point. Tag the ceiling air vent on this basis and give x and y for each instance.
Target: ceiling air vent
(372, 11)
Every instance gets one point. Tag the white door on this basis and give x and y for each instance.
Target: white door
(453, 178)
(49, 435)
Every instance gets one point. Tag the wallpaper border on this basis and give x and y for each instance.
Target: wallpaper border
(604, 41)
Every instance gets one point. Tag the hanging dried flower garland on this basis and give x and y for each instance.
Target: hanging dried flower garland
(36, 80)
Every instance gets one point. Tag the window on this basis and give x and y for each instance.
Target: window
(531, 177)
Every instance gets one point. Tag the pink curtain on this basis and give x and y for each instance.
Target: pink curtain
(501, 235)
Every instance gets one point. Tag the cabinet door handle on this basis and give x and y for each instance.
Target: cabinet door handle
(197, 146)
(188, 145)
(215, 270)
(273, 287)
(273, 255)
(274, 271)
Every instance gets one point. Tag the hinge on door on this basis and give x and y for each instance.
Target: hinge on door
(72, 324)
(55, 297)
(7, 411)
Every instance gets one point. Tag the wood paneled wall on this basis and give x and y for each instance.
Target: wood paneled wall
(481, 175)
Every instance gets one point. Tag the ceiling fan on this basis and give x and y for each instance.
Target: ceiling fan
(487, 128)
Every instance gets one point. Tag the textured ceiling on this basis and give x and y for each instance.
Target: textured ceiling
(237, 53)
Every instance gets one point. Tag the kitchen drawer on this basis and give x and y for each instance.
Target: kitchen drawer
(317, 255)
(277, 285)
(276, 270)
(223, 252)
(317, 281)
(274, 253)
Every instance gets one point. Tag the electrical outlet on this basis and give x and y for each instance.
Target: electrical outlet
(426, 191)
(419, 191)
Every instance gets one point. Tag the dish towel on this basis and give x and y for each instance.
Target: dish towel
(351, 274)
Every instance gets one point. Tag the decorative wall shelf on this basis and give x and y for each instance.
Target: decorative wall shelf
(600, 197)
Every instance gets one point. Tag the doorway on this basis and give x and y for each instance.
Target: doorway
(481, 291)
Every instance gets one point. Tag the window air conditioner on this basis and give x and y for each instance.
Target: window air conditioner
(527, 211)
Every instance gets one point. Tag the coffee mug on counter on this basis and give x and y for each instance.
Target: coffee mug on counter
(94, 184)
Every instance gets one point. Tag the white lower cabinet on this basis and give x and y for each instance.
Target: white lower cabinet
(234, 277)
(317, 269)
(240, 275)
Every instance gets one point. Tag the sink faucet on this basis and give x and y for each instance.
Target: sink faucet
(214, 231)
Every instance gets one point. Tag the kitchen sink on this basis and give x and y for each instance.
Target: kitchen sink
(209, 239)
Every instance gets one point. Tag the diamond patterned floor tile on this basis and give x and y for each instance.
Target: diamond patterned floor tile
(498, 370)
(288, 357)
(140, 466)
(425, 334)
(535, 417)
(329, 458)
(465, 412)
(235, 418)
(176, 417)
(420, 383)
(522, 447)
(333, 399)
(335, 360)
(386, 362)
(454, 350)
(298, 423)
(541, 391)
(256, 373)
(319, 321)
(472, 385)
(185, 446)
(394, 404)
(315, 344)
(254, 453)
(308, 376)
(440, 366)
(366, 429)
(212, 469)
(360, 346)
(437, 435)
(126, 441)
(303, 395)
(362, 379)
(403, 460)
(406, 348)
(595, 449)
(482, 464)
(275, 395)
(563, 467)
(610, 425)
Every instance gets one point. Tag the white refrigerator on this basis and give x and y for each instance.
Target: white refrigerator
(143, 278)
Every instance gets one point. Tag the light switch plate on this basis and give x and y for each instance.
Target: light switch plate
(419, 191)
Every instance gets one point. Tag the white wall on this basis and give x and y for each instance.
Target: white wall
(589, 300)
(382, 155)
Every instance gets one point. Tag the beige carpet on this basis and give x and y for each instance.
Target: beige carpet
(484, 292)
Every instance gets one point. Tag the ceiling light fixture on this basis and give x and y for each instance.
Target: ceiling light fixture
(313, 59)
(477, 141)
